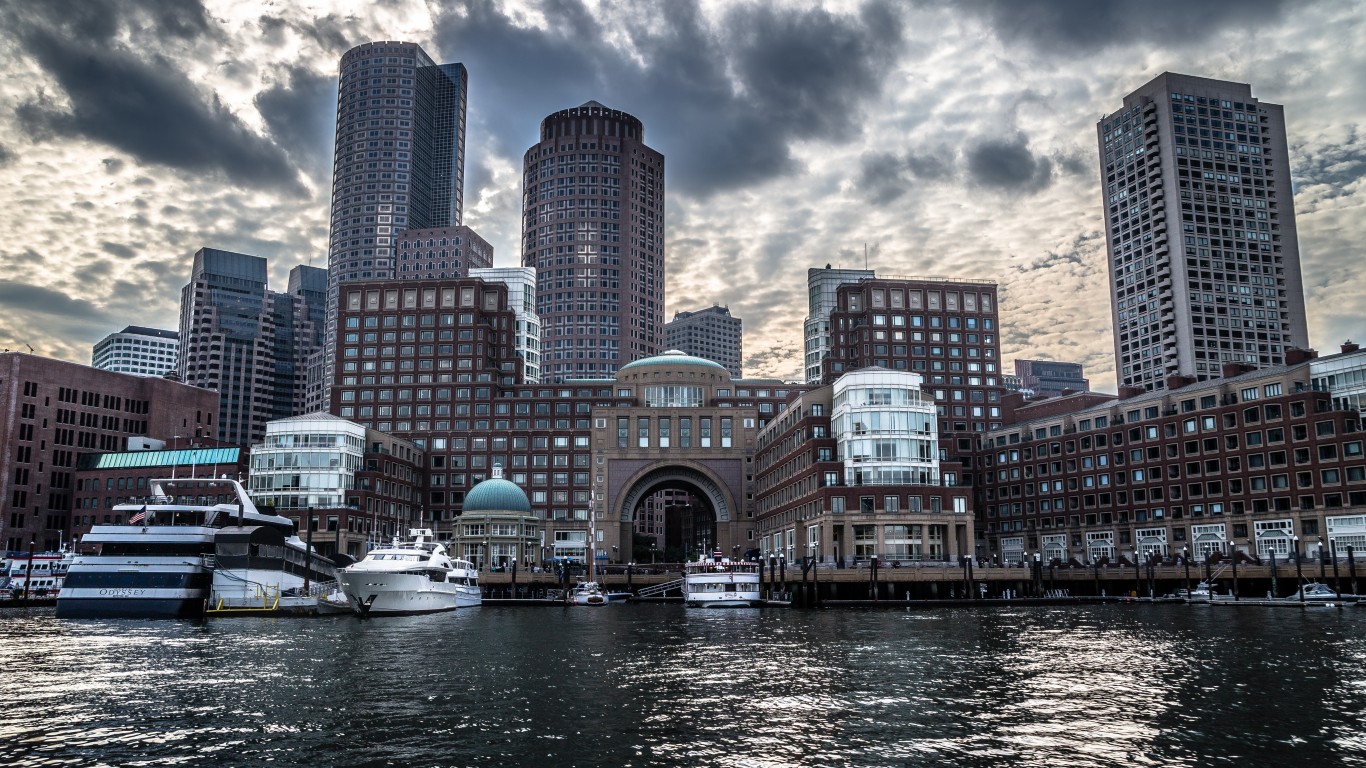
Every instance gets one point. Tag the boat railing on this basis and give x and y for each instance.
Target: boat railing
(655, 590)
(320, 589)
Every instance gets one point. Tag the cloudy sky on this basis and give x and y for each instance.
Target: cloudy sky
(939, 139)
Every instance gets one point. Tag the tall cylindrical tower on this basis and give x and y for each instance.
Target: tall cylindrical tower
(593, 228)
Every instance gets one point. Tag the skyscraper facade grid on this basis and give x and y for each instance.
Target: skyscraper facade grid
(398, 164)
(710, 333)
(1200, 231)
(593, 228)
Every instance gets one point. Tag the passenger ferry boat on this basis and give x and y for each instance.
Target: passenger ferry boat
(413, 576)
(721, 583)
(161, 563)
(49, 572)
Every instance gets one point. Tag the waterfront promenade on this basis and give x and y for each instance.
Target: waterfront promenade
(942, 581)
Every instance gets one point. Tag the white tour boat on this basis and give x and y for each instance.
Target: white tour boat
(161, 563)
(721, 583)
(48, 572)
(412, 576)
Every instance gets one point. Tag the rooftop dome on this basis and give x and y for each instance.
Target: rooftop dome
(497, 495)
(673, 357)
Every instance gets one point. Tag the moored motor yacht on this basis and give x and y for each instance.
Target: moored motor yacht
(1321, 594)
(410, 576)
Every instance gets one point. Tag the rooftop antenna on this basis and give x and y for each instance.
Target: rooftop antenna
(865, 255)
(30, 347)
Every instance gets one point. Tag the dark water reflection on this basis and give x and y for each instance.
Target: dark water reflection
(645, 685)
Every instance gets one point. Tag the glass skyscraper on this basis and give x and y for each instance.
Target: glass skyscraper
(399, 162)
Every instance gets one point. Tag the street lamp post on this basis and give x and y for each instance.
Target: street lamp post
(1273, 571)
(782, 571)
(1323, 565)
(1138, 585)
(1235, 571)
(972, 591)
(1337, 577)
(28, 576)
(1352, 567)
(1299, 572)
(874, 577)
(1152, 586)
(1038, 576)
(1186, 563)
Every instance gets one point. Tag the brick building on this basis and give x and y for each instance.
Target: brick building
(51, 411)
(852, 471)
(1257, 461)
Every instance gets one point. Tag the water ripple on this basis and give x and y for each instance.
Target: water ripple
(652, 685)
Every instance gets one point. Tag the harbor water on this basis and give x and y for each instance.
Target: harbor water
(661, 685)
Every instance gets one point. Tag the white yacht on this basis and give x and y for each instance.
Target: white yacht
(410, 576)
(161, 562)
(721, 583)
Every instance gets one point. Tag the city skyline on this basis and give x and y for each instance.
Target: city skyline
(951, 142)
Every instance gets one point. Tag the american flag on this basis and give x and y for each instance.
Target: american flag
(135, 519)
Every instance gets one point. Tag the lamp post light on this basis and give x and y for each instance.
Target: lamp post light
(874, 577)
(1138, 579)
(1152, 586)
(1038, 575)
(1337, 577)
(1234, 557)
(1186, 563)
(1323, 565)
(1272, 552)
(1352, 567)
(972, 591)
(1299, 572)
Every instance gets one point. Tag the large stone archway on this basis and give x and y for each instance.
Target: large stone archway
(715, 484)
(668, 477)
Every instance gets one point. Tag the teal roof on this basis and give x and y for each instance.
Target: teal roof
(496, 495)
(673, 357)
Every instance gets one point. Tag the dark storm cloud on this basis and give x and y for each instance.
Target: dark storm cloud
(117, 249)
(736, 96)
(886, 176)
(6, 155)
(22, 297)
(1064, 25)
(112, 165)
(94, 24)
(332, 33)
(1008, 165)
(143, 106)
(300, 113)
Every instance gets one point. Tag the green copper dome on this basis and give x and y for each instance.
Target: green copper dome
(497, 495)
(673, 357)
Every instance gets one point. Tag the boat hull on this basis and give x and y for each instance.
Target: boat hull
(120, 587)
(747, 601)
(377, 594)
(182, 607)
